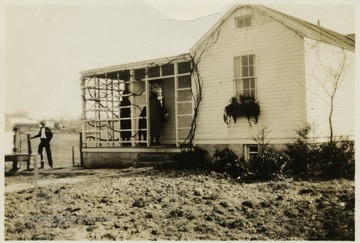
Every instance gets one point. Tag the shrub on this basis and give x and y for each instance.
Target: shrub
(227, 161)
(268, 163)
(334, 159)
(299, 151)
(223, 159)
(192, 158)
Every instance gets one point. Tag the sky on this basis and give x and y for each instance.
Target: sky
(46, 45)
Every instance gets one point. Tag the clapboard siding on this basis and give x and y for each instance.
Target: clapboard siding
(279, 68)
(320, 59)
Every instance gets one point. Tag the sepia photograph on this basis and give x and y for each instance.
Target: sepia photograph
(179, 120)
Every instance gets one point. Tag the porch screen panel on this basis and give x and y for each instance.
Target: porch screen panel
(184, 101)
(102, 95)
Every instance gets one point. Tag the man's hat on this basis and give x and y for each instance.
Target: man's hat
(42, 122)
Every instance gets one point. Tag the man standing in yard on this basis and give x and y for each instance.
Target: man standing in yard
(45, 135)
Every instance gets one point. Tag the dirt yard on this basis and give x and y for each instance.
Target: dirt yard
(146, 204)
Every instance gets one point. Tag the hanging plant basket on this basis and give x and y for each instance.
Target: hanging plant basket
(244, 106)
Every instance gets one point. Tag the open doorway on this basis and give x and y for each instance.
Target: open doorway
(162, 112)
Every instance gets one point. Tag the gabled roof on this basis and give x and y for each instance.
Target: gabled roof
(301, 27)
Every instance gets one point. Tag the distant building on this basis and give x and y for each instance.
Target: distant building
(19, 120)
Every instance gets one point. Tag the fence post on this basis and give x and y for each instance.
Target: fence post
(73, 156)
(15, 129)
(36, 174)
(29, 144)
(29, 151)
(80, 148)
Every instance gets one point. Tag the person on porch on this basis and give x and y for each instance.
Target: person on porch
(156, 119)
(125, 112)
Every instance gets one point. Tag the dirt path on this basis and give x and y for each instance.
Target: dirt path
(66, 175)
(43, 183)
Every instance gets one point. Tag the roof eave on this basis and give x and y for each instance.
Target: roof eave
(134, 65)
(215, 26)
(299, 28)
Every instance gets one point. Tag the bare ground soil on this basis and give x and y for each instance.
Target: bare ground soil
(146, 204)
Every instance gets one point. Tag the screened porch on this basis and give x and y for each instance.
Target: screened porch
(116, 111)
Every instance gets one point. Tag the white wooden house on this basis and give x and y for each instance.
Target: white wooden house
(289, 65)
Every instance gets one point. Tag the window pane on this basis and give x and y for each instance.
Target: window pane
(240, 22)
(251, 59)
(248, 21)
(154, 72)
(245, 72)
(244, 60)
(184, 67)
(168, 69)
(253, 148)
(246, 84)
(246, 93)
(238, 86)
(185, 121)
(252, 83)
(251, 71)
(252, 93)
(237, 72)
(139, 73)
(184, 95)
(184, 108)
(183, 133)
(184, 81)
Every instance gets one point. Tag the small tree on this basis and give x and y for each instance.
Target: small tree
(298, 151)
(260, 137)
(269, 163)
(330, 85)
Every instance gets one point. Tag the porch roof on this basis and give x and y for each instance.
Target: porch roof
(111, 71)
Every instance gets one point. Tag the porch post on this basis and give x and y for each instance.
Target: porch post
(83, 115)
(147, 90)
(176, 104)
(132, 111)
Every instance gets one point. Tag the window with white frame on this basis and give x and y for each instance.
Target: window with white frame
(250, 150)
(243, 22)
(245, 75)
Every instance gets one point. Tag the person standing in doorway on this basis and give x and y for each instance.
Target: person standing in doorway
(125, 113)
(156, 119)
(45, 135)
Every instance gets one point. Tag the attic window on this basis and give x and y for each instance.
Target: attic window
(243, 22)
